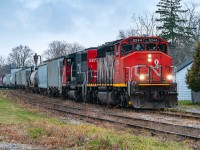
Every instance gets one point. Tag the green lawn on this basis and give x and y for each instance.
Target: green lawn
(187, 103)
(20, 125)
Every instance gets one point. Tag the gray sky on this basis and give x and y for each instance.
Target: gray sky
(36, 23)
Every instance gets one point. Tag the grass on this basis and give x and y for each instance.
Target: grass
(20, 125)
(11, 114)
(187, 103)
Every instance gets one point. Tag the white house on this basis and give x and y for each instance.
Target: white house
(183, 92)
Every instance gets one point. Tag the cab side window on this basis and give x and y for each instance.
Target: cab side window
(162, 48)
(126, 49)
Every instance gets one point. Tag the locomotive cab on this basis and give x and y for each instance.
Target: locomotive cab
(143, 65)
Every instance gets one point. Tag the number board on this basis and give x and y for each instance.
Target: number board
(137, 40)
(151, 40)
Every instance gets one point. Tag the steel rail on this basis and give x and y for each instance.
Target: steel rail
(183, 131)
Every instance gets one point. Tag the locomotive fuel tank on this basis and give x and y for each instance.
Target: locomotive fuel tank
(74, 95)
(109, 98)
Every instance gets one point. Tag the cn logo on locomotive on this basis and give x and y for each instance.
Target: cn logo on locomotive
(156, 62)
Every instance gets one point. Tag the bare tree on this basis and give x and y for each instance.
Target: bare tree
(2, 64)
(74, 47)
(56, 49)
(2, 61)
(143, 24)
(61, 48)
(183, 48)
(21, 56)
(193, 20)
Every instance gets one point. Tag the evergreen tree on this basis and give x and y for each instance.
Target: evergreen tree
(169, 11)
(193, 75)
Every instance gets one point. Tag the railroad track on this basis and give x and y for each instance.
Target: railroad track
(155, 126)
(178, 114)
(182, 114)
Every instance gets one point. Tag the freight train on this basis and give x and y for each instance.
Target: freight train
(133, 72)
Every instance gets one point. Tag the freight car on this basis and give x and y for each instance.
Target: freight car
(6, 81)
(136, 72)
(1, 81)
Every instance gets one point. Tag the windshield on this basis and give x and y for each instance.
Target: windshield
(138, 47)
(125, 49)
(129, 48)
(151, 47)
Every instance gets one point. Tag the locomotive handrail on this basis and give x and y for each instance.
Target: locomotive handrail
(129, 72)
(174, 72)
(91, 74)
(134, 69)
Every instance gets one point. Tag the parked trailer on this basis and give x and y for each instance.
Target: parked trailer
(54, 68)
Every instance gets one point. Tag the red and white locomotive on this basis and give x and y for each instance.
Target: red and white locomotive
(136, 71)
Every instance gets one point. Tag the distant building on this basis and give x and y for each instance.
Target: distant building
(183, 92)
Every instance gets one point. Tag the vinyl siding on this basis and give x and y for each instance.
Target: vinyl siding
(183, 92)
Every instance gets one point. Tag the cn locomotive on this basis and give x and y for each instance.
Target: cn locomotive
(133, 72)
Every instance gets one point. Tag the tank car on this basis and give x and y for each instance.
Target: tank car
(1, 81)
(33, 81)
(13, 80)
(6, 80)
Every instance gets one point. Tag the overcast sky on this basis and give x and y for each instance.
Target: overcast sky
(36, 23)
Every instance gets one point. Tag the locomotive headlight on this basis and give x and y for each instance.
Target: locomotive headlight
(142, 77)
(149, 59)
(169, 77)
(149, 55)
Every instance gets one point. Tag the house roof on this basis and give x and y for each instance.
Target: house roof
(183, 65)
